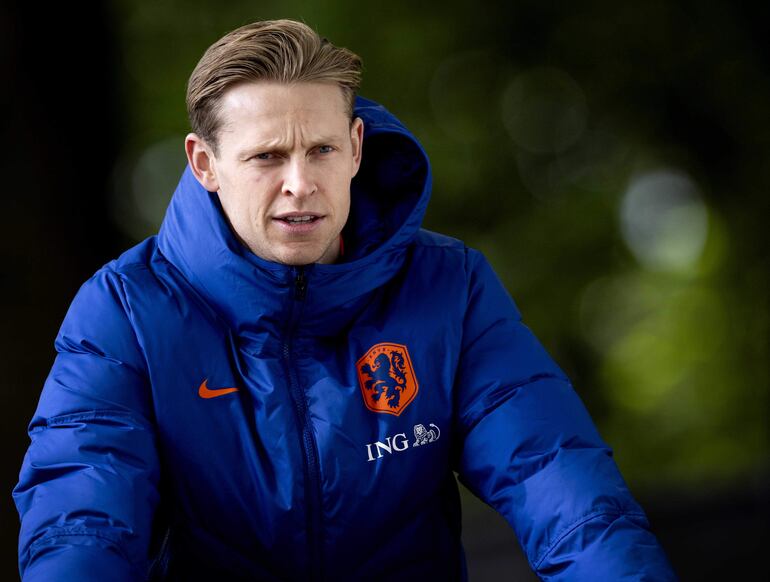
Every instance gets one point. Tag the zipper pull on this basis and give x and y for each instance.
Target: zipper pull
(300, 284)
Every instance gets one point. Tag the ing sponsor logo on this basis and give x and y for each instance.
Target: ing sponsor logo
(400, 442)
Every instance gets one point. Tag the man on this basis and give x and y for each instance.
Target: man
(280, 385)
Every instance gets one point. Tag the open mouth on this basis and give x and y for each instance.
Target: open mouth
(299, 224)
(299, 219)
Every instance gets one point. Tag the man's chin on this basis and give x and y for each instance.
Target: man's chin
(299, 257)
(296, 253)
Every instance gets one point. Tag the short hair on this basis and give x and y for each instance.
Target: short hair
(285, 51)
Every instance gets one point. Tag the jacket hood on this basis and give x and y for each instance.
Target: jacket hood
(389, 196)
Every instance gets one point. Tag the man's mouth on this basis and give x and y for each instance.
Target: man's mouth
(298, 222)
(299, 219)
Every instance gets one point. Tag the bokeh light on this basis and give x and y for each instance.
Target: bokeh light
(143, 186)
(664, 220)
(544, 110)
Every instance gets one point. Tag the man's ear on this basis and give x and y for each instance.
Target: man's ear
(202, 161)
(357, 141)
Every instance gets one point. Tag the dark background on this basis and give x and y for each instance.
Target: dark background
(610, 159)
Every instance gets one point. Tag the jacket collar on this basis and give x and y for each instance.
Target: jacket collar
(389, 196)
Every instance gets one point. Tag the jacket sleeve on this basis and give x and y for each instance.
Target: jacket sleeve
(530, 450)
(88, 486)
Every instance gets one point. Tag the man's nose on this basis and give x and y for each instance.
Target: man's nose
(299, 178)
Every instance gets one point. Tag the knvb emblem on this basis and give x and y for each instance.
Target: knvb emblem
(400, 442)
(387, 379)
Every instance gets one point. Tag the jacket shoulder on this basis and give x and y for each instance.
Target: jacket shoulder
(429, 238)
(109, 306)
(156, 293)
(100, 319)
(144, 272)
(139, 257)
(466, 259)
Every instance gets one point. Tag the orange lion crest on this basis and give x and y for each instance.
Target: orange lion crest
(387, 379)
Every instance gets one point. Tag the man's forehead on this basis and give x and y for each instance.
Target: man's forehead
(271, 99)
(265, 114)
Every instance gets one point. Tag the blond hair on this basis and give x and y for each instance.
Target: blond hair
(284, 51)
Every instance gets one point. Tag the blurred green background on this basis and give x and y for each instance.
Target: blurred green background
(610, 159)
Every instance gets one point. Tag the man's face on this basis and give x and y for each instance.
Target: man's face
(287, 155)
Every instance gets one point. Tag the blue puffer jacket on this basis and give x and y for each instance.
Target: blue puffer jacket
(213, 416)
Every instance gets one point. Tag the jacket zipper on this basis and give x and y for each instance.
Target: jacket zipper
(309, 446)
(300, 284)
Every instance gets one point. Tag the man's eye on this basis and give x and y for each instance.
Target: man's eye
(325, 149)
(262, 156)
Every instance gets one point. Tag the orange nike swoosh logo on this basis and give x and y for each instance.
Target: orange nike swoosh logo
(205, 392)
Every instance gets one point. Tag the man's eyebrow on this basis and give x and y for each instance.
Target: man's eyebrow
(281, 146)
